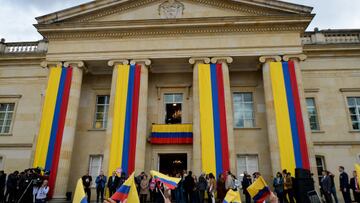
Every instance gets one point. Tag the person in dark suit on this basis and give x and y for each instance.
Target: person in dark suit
(354, 185)
(326, 186)
(86, 180)
(344, 184)
(113, 182)
(2, 185)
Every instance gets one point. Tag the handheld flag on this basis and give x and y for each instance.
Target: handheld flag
(79, 196)
(232, 196)
(357, 169)
(127, 191)
(169, 182)
(259, 190)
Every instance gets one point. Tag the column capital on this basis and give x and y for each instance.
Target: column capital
(118, 61)
(77, 64)
(194, 60)
(147, 62)
(225, 59)
(298, 57)
(46, 64)
(274, 58)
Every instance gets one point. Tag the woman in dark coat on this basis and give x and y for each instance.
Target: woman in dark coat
(220, 188)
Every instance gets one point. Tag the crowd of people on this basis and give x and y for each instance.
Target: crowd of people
(328, 188)
(30, 185)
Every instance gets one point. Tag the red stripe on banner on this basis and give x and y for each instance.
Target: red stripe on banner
(59, 134)
(188, 140)
(222, 115)
(134, 119)
(299, 118)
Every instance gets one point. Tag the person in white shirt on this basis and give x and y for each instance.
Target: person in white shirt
(41, 193)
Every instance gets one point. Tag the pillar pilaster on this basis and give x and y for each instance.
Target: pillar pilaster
(229, 111)
(196, 114)
(67, 144)
(270, 112)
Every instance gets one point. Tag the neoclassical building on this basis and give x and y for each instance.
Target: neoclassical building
(172, 85)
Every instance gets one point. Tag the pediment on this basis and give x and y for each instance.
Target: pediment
(124, 10)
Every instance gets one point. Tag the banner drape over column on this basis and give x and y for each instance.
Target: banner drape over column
(289, 120)
(213, 126)
(124, 128)
(47, 152)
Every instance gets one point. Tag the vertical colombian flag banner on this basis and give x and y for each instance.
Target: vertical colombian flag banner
(289, 120)
(124, 129)
(52, 124)
(213, 128)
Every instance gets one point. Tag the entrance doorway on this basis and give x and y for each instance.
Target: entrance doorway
(172, 164)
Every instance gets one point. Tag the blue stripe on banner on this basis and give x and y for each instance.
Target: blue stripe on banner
(216, 118)
(129, 103)
(292, 115)
(124, 189)
(55, 123)
(263, 192)
(84, 200)
(167, 182)
(172, 135)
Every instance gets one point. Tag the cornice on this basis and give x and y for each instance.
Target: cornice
(176, 31)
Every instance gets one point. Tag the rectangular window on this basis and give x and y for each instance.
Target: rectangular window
(312, 113)
(354, 110)
(101, 111)
(248, 163)
(243, 110)
(6, 116)
(173, 107)
(95, 166)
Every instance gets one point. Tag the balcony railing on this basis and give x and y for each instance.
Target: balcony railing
(331, 37)
(23, 47)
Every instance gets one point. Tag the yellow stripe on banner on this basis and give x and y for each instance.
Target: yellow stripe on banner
(206, 120)
(172, 128)
(117, 137)
(47, 117)
(287, 157)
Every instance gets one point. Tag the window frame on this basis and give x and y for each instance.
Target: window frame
(349, 113)
(93, 124)
(253, 107)
(100, 168)
(11, 99)
(316, 111)
(323, 160)
(164, 105)
(240, 173)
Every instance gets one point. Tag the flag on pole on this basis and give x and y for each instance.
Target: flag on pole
(127, 191)
(259, 190)
(232, 196)
(169, 182)
(79, 196)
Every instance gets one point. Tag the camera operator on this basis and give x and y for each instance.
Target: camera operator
(40, 193)
(28, 181)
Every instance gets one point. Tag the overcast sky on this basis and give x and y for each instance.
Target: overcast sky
(17, 16)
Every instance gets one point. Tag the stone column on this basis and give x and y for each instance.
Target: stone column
(270, 112)
(229, 111)
(297, 59)
(196, 166)
(114, 64)
(63, 172)
(142, 118)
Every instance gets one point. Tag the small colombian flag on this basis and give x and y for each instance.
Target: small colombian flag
(357, 169)
(169, 182)
(259, 190)
(79, 196)
(232, 196)
(127, 192)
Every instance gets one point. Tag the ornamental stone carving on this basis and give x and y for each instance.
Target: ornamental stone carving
(171, 9)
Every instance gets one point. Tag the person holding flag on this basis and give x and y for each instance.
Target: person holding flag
(259, 190)
(127, 192)
(79, 195)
